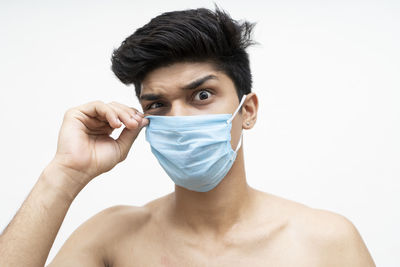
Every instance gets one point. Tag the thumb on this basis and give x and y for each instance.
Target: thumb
(128, 136)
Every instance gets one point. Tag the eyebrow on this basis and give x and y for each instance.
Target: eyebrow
(190, 86)
(198, 82)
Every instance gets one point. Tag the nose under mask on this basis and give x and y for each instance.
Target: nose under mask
(195, 151)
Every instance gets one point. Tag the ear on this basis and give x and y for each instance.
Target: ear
(249, 111)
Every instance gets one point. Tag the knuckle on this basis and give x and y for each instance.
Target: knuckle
(123, 156)
(114, 108)
(134, 124)
(113, 103)
(69, 112)
(96, 103)
(132, 111)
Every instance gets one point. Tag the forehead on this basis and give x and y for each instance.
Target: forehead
(178, 75)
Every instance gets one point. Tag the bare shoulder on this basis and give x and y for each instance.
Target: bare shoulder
(117, 221)
(335, 237)
(331, 237)
(92, 242)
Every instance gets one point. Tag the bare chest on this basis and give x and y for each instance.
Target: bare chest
(162, 249)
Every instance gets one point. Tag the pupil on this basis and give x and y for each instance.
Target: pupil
(156, 105)
(203, 95)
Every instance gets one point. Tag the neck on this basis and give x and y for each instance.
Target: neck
(217, 210)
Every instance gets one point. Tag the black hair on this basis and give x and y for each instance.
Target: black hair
(194, 35)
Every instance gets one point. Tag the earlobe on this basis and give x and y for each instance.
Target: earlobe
(250, 108)
(247, 125)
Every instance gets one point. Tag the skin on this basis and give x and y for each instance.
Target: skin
(231, 225)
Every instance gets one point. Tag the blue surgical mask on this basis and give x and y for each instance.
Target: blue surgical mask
(195, 151)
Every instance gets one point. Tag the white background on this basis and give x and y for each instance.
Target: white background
(327, 77)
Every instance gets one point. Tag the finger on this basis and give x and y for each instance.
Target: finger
(132, 111)
(126, 139)
(95, 123)
(128, 136)
(105, 130)
(144, 122)
(126, 117)
(101, 111)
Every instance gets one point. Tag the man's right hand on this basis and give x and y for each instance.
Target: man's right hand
(85, 148)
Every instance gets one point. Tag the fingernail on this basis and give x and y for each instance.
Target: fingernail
(137, 117)
(145, 122)
(118, 121)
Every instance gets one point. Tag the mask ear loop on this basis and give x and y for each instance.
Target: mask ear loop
(230, 120)
(240, 142)
(238, 146)
(237, 110)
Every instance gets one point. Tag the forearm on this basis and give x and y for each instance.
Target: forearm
(28, 238)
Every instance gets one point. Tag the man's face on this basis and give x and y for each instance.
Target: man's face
(184, 89)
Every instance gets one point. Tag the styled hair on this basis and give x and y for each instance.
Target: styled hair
(194, 35)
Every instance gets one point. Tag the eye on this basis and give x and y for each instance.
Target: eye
(154, 105)
(202, 95)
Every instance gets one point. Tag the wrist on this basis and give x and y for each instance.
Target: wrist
(68, 183)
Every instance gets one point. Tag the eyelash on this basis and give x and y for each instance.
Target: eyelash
(201, 90)
(148, 107)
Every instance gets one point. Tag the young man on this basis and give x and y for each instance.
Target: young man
(192, 76)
